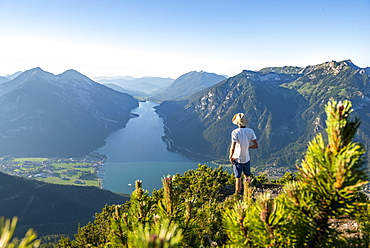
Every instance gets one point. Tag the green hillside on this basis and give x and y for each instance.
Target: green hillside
(51, 208)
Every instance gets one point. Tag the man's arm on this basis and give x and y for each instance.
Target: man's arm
(232, 148)
(254, 145)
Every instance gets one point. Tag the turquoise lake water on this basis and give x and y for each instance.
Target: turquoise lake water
(137, 152)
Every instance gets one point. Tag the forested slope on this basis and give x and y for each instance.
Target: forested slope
(51, 208)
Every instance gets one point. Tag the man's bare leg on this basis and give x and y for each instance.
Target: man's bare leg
(238, 182)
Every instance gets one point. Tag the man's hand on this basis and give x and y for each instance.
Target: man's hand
(232, 160)
(232, 148)
(254, 145)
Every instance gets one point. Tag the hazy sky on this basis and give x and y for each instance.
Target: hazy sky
(170, 38)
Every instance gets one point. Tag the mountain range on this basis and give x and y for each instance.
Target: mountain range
(69, 114)
(284, 105)
(65, 115)
(138, 87)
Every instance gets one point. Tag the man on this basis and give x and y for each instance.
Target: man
(242, 139)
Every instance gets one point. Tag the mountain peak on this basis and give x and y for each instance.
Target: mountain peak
(75, 76)
(35, 72)
(351, 64)
(14, 75)
(72, 73)
(335, 67)
(187, 84)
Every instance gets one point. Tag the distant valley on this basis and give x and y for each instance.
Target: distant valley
(161, 89)
(138, 87)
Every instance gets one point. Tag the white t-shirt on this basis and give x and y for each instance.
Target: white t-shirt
(243, 138)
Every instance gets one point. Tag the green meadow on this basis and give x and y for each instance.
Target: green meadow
(57, 171)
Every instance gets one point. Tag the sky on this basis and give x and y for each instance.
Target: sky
(163, 38)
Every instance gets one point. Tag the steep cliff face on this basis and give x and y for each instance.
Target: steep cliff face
(284, 105)
(42, 114)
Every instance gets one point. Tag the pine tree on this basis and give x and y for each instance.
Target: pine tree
(328, 190)
(331, 177)
(7, 228)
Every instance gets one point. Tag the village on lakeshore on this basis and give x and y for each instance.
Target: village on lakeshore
(67, 171)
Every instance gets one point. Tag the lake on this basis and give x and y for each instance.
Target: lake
(137, 152)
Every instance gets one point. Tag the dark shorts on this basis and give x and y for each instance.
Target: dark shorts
(239, 168)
